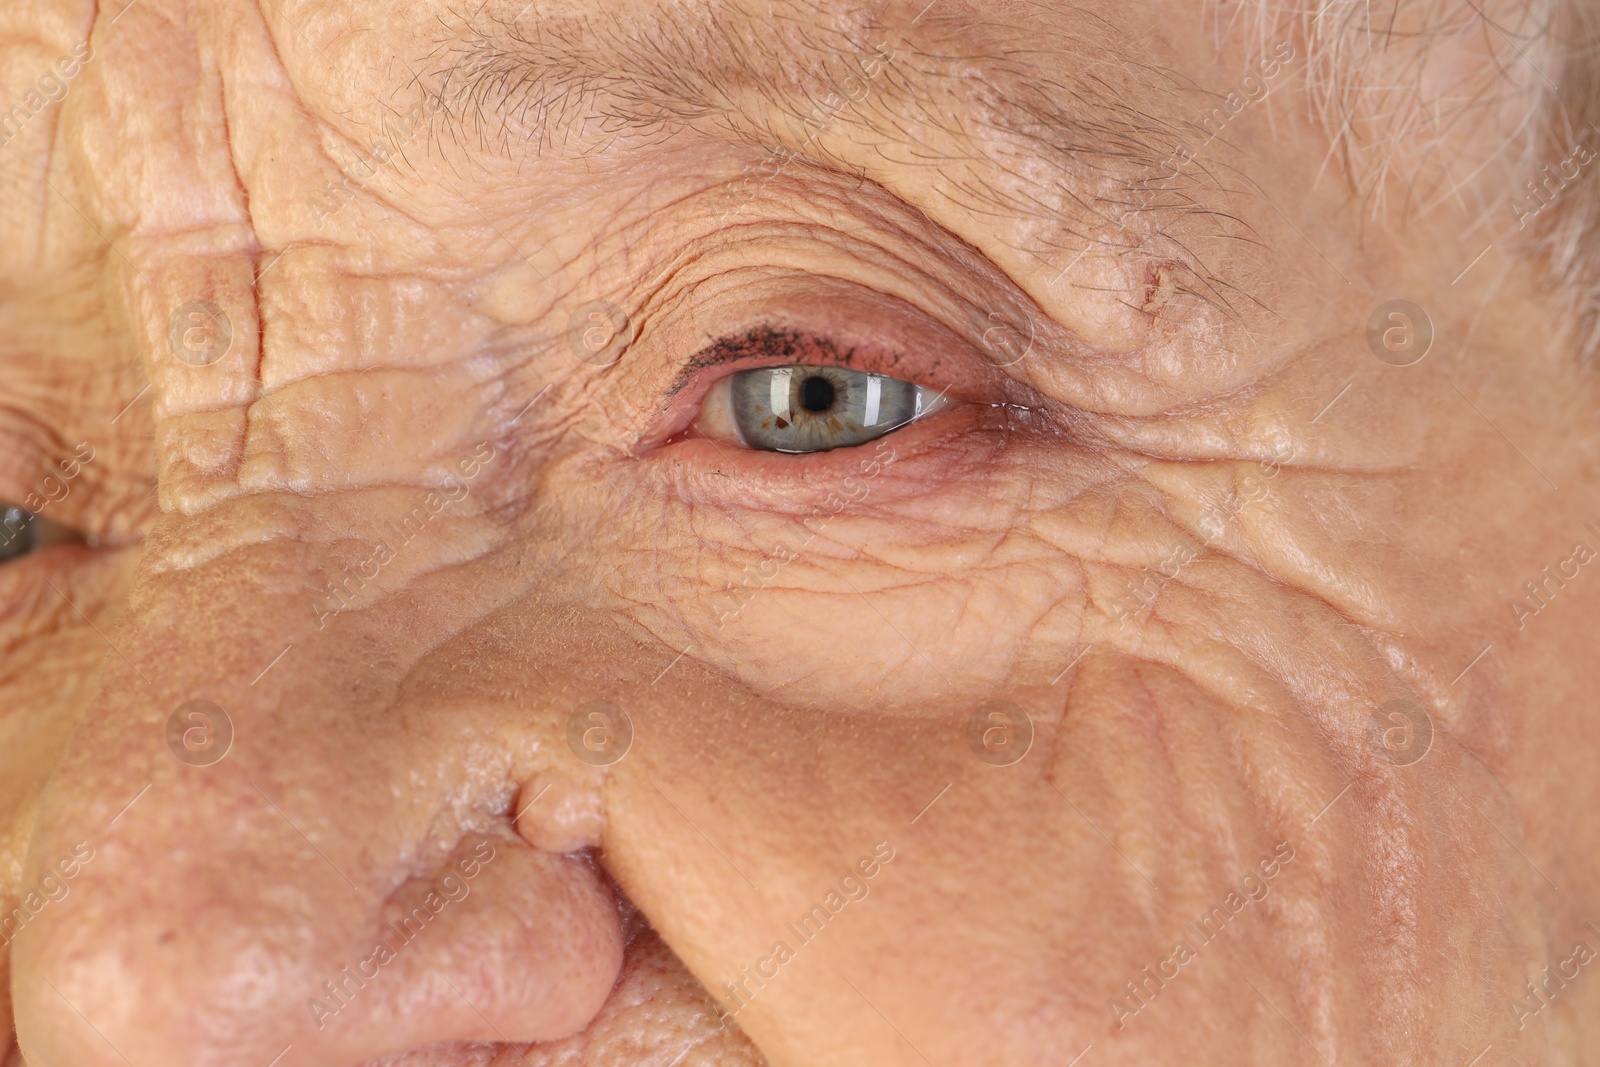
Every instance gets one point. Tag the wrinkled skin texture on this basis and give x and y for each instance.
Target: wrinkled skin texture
(1182, 739)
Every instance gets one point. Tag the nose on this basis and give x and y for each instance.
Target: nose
(342, 884)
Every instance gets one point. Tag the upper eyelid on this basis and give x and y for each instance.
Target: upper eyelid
(1090, 153)
(766, 346)
(763, 342)
(919, 349)
(884, 295)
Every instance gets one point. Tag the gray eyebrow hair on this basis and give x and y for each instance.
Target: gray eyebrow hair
(1098, 165)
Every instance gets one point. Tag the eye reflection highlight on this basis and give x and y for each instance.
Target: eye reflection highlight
(800, 409)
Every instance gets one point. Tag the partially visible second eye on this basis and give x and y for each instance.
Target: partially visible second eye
(22, 533)
(801, 409)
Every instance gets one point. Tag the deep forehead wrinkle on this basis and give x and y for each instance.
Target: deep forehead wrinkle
(1058, 119)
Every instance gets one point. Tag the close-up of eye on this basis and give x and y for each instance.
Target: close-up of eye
(801, 409)
(799, 533)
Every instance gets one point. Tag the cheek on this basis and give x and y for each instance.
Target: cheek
(948, 582)
(41, 705)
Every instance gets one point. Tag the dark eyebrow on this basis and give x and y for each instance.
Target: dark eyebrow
(1090, 128)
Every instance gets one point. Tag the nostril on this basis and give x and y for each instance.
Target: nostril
(507, 944)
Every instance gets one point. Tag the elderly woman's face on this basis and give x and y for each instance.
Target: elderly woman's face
(719, 533)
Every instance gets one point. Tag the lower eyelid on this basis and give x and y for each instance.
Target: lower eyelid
(963, 444)
(31, 609)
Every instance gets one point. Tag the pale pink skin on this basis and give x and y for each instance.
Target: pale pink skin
(1185, 739)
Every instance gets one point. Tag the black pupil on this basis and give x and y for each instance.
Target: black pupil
(816, 394)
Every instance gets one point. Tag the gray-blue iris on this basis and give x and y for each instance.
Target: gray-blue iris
(814, 409)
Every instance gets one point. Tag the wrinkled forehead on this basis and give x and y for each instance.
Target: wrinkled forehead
(1078, 88)
(1071, 145)
(1083, 147)
(1049, 123)
(1043, 115)
(1075, 85)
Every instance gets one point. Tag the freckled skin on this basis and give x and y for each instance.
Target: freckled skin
(400, 530)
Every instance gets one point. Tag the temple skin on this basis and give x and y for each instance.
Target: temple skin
(361, 481)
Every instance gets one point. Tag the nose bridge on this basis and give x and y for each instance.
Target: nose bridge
(245, 816)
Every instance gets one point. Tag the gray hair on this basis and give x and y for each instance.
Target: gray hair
(1404, 113)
